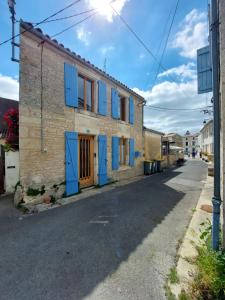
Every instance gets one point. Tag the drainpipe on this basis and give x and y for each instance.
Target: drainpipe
(216, 200)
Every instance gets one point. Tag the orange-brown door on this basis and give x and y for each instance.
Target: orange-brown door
(86, 160)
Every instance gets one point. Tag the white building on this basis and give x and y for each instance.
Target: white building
(190, 143)
(206, 138)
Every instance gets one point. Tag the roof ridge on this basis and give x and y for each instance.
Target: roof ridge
(38, 31)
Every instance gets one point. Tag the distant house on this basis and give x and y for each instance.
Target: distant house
(190, 143)
(173, 151)
(174, 138)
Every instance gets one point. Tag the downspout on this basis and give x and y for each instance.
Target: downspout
(216, 200)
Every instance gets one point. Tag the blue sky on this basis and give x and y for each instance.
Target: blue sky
(104, 36)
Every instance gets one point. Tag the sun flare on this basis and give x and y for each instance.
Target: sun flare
(104, 9)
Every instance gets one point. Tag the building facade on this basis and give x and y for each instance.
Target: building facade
(78, 125)
(206, 138)
(190, 143)
(153, 144)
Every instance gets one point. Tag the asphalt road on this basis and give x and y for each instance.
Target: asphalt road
(116, 245)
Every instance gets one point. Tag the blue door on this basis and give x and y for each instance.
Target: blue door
(102, 159)
(71, 139)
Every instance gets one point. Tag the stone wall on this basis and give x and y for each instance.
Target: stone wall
(153, 146)
(42, 142)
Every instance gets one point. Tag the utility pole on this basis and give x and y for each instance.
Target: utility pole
(11, 4)
(216, 200)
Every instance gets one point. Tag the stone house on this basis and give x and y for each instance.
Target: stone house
(78, 125)
(190, 143)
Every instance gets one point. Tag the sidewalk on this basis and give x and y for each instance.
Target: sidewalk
(187, 250)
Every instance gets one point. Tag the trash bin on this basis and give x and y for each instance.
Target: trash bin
(148, 168)
(158, 166)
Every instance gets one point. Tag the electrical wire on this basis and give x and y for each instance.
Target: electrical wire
(73, 25)
(68, 17)
(41, 22)
(175, 109)
(167, 39)
(141, 41)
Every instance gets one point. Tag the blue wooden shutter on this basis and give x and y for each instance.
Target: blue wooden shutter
(131, 110)
(131, 152)
(115, 103)
(71, 85)
(102, 98)
(204, 70)
(102, 159)
(115, 153)
(71, 139)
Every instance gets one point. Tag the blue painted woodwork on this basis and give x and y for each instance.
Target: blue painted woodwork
(115, 104)
(204, 70)
(102, 159)
(71, 140)
(115, 153)
(102, 98)
(131, 110)
(131, 152)
(71, 85)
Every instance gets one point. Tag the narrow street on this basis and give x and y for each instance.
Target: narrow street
(116, 245)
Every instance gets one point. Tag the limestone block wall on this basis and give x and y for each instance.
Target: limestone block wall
(153, 146)
(44, 117)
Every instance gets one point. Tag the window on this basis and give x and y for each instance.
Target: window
(123, 151)
(85, 93)
(186, 139)
(193, 143)
(122, 108)
(186, 143)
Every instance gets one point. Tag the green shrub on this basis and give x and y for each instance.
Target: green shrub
(173, 277)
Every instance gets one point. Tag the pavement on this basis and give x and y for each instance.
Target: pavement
(186, 267)
(117, 244)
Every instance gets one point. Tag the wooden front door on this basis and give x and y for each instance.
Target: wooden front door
(86, 160)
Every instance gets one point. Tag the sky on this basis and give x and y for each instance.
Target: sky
(104, 40)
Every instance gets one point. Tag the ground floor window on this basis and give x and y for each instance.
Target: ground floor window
(123, 151)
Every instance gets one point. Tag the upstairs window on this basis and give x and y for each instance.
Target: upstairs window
(85, 93)
(122, 108)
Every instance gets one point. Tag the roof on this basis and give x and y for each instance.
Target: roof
(38, 33)
(206, 124)
(5, 105)
(153, 131)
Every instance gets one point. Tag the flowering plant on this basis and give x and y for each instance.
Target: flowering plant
(11, 117)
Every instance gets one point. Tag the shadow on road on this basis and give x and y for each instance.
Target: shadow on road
(65, 253)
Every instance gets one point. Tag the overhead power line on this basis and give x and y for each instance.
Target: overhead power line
(68, 17)
(167, 39)
(41, 22)
(141, 41)
(176, 109)
(73, 25)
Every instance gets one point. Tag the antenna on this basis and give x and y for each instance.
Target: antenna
(11, 4)
(104, 67)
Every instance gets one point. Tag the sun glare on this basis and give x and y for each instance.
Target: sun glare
(103, 8)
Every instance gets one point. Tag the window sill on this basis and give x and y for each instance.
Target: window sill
(86, 112)
(124, 168)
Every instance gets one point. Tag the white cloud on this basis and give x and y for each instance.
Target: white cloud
(104, 8)
(186, 71)
(83, 35)
(9, 87)
(178, 95)
(192, 35)
(106, 49)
